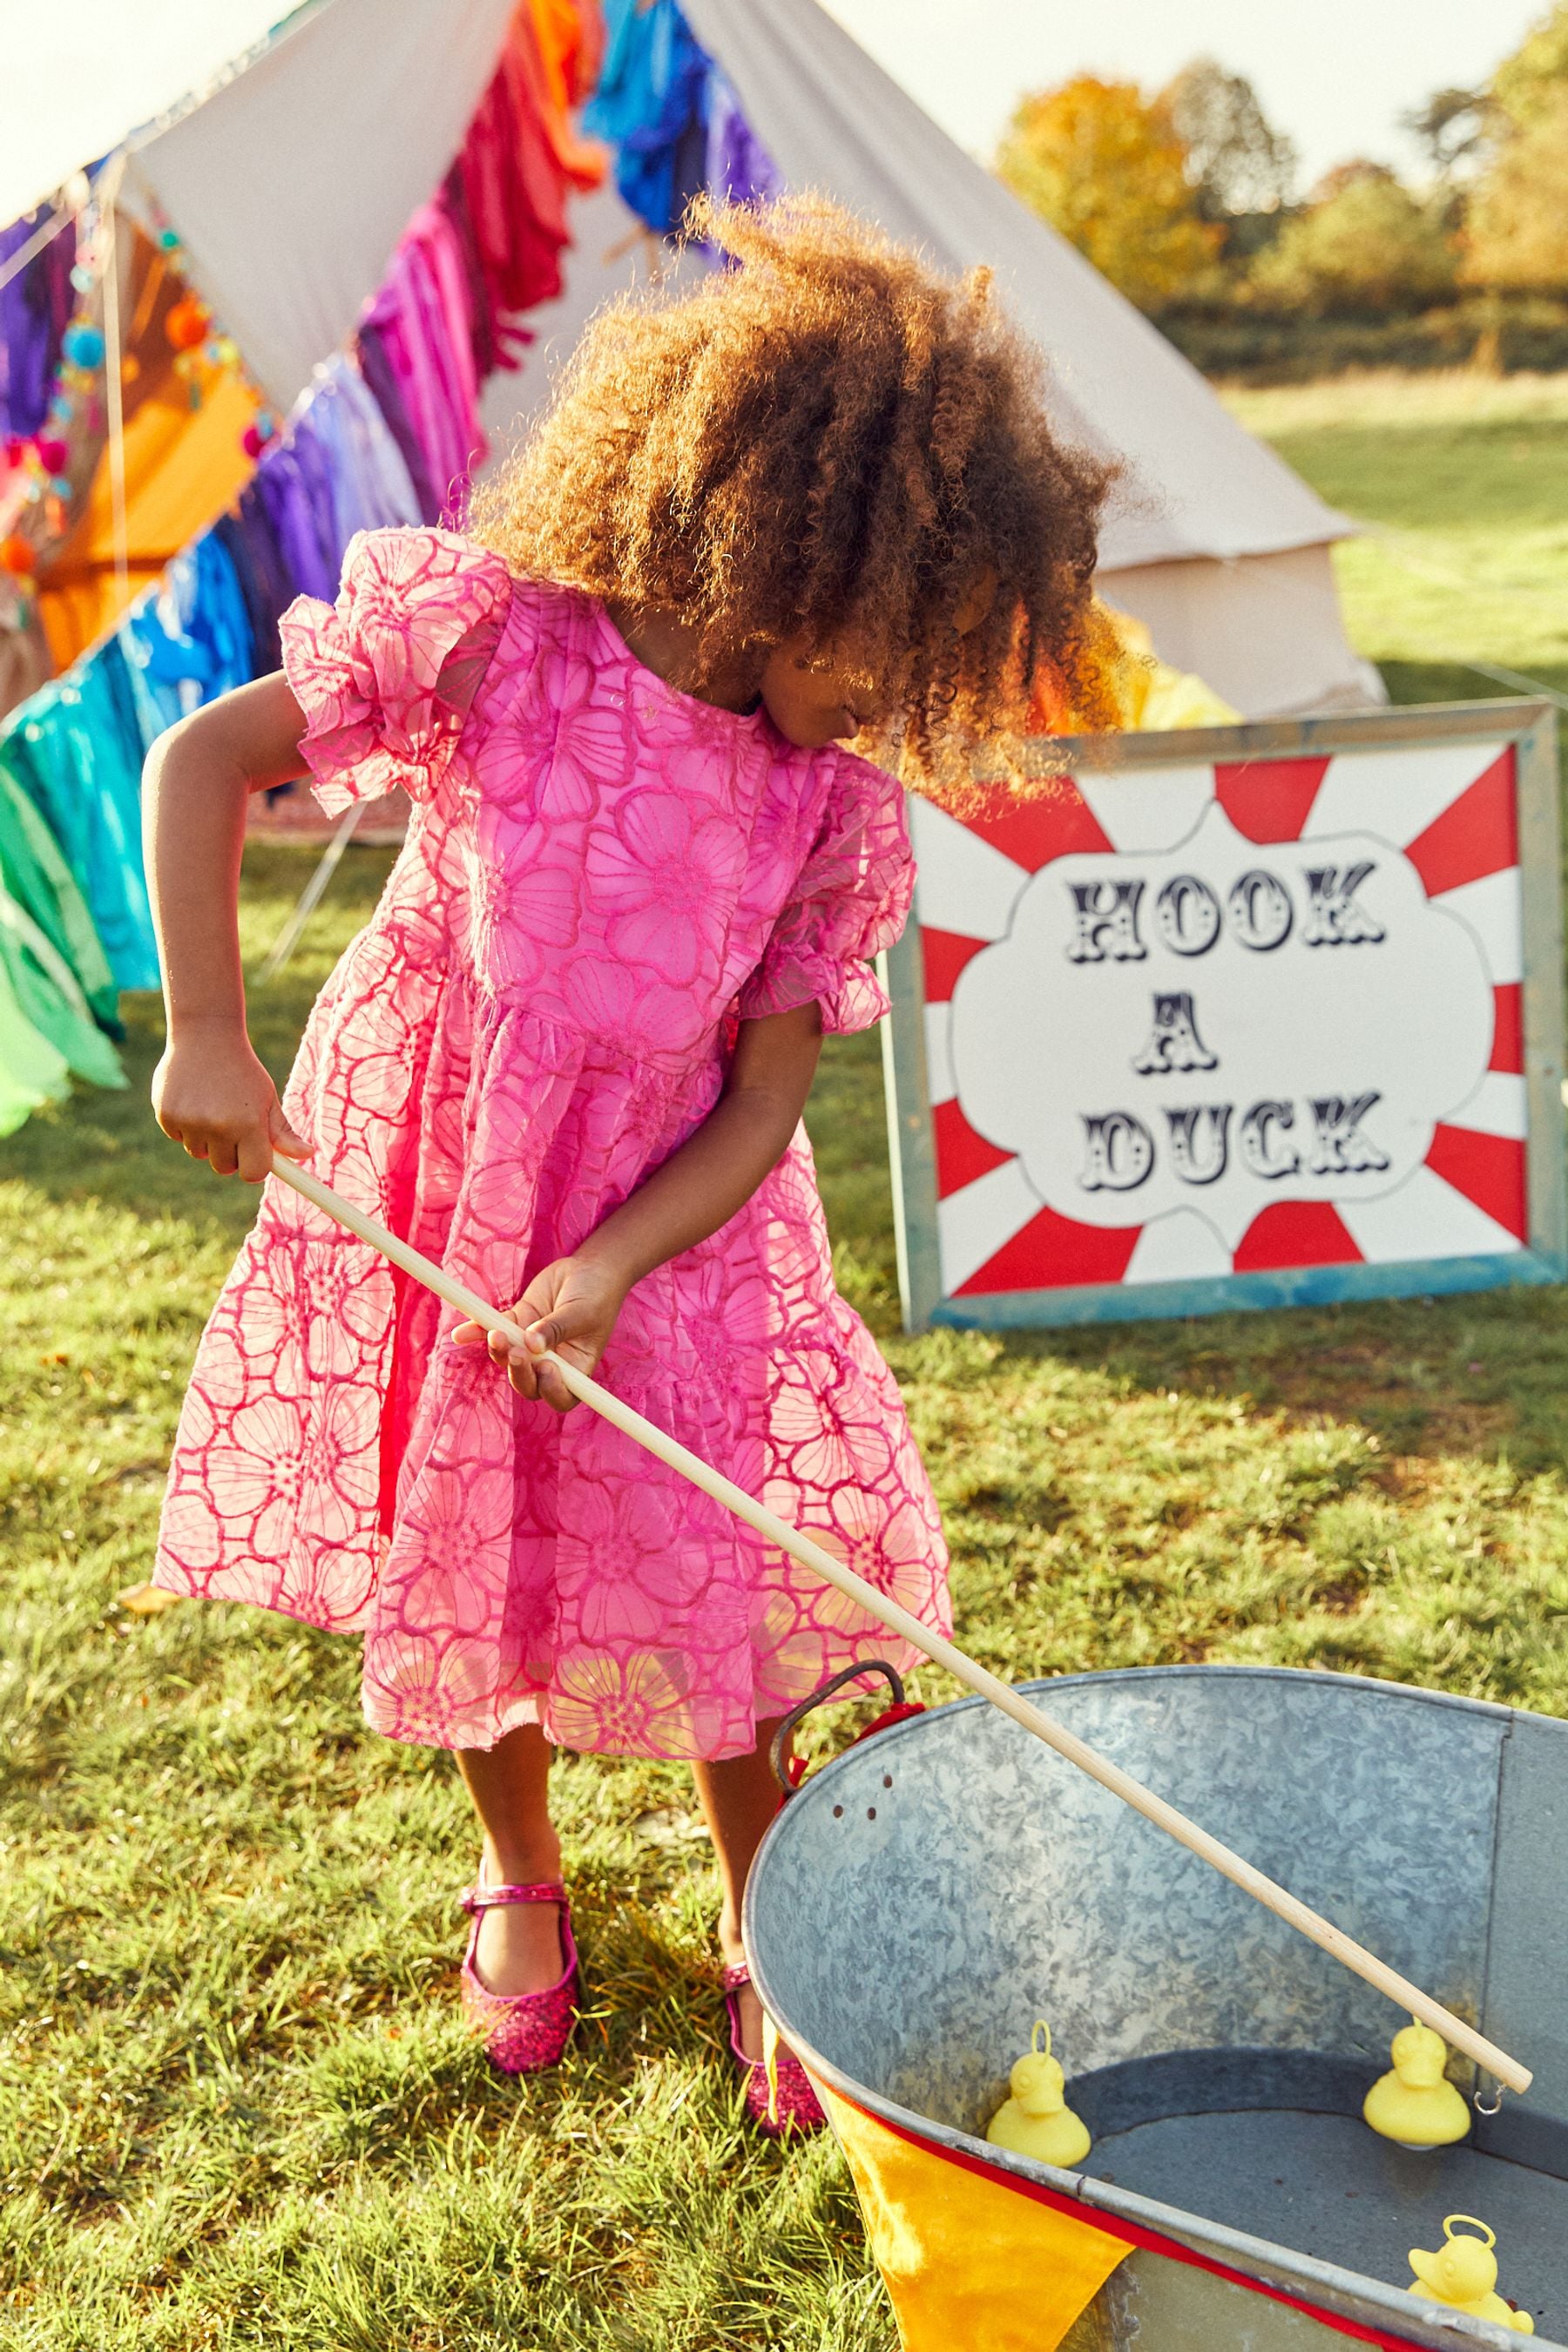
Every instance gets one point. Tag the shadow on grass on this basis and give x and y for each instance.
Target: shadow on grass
(1484, 1375)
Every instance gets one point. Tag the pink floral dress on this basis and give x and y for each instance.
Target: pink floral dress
(601, 875)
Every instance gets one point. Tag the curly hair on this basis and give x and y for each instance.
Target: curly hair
(829, 442)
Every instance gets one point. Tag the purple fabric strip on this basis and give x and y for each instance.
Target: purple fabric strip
(35, 310)
(740, 168)
(380, 378)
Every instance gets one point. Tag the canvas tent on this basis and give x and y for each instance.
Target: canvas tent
(290, 155)
(291, 182)
(1215, 544)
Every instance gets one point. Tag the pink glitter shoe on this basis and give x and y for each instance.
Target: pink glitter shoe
(523, 2032)
(787, 2105)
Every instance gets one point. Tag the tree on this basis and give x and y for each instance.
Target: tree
(1349, 174)
(1107, 168)
(1370, 248)
(1452, 126)
(1237, 162)
(1525, 86)
(1516, 224)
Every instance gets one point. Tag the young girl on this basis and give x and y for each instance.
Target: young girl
(816, 500)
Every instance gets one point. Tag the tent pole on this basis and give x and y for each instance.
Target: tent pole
(288, 939)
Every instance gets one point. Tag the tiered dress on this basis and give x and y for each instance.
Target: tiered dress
(602, 875)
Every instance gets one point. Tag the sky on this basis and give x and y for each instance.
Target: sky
(80, 73)
(1335, 77)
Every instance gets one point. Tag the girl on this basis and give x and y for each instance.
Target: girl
(816, 500)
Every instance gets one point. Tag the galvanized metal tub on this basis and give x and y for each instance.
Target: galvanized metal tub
(928, 1894)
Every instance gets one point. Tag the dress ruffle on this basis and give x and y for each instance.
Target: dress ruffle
(385, 677)
(851, 900)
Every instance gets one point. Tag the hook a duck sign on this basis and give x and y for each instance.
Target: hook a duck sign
(1242, 1016)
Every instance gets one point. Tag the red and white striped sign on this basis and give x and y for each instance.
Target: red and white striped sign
(1201, 1020)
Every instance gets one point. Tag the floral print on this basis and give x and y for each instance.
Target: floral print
(602, 875)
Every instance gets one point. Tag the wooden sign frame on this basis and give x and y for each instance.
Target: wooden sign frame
(1254, 773)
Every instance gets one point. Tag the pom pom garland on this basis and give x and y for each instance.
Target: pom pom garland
(186, 324)
(83, 345)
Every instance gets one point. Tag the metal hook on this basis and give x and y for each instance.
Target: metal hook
(1480, 2106)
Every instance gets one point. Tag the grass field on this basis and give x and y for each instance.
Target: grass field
(1463, 484)
(237, 2110)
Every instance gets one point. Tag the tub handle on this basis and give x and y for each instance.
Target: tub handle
(790, 1770)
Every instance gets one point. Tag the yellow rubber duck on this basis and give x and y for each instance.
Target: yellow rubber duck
(1036, 2120)
(1462, 2275)
(1416, 2105)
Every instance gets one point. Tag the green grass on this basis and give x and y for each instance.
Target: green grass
(1463, 482)
(235, 2108)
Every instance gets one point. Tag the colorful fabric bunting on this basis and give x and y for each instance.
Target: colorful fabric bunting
(651, 105)
(387, 434)
(44, 986)
(32, 1071)
(674, 119)
(77, 749)
(740, 169)
(424, 315)
(34, 874)
(191, 640)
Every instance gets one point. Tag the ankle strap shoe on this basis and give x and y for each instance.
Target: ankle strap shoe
(779, 2097)
(523, 2032)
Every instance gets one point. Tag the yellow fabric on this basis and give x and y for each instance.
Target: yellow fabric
(1139, 692)
(1153, 694)
(970, 2263)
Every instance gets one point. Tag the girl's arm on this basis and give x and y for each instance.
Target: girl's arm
(209, 1091)
(572, 1304)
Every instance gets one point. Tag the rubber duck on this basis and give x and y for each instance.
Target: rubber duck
(1036, 2120)
(1462, 2275)
(1416, 2105)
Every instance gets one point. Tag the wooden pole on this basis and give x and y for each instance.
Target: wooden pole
(113, 381)
(1263, 1889)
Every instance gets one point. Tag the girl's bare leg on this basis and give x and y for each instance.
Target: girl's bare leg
(520, 1944)
(739, 1797)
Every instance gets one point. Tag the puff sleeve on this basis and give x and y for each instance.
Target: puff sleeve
(385, 677)
(850, 901)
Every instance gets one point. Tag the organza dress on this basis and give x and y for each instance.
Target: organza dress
(602, 874)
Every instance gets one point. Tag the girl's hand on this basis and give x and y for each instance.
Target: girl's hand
(570, 1307)
(211, 1094)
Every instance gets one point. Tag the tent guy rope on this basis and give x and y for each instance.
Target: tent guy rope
(941, 1653)
(310, 897)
